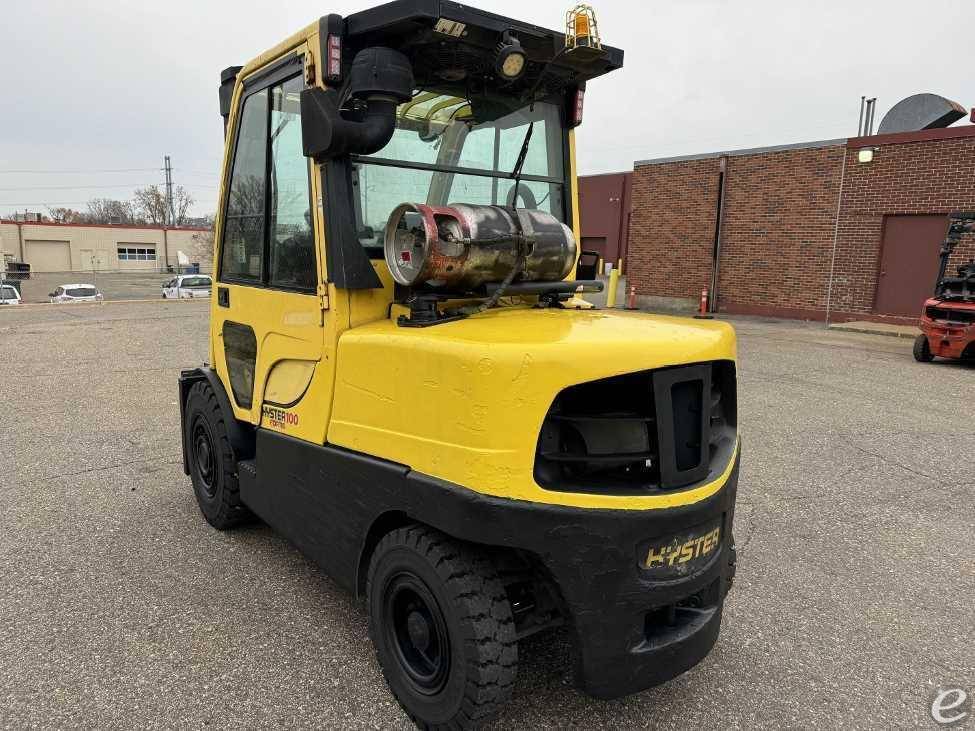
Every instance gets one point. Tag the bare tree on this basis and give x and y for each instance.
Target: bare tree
(181, 204)
(152, 205)
(105, 210)
(64, 215)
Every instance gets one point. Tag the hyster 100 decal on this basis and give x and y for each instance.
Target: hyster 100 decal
(276, 418)
(681, 555)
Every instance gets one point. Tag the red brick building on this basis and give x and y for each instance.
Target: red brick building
(604, 212)
(810, 231)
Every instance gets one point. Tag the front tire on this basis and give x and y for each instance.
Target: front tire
(442, 627)
(213, 466)
(922, 349)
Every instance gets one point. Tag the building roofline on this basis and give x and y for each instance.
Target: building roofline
(921, 135)
(897, 138)
(605, 175)
(105, 225)
(839, 142)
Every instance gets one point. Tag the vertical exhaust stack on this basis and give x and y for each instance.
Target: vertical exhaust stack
(870, 115)
(865, 124)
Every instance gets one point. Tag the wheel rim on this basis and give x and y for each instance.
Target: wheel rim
(204, 458)
(416, 630)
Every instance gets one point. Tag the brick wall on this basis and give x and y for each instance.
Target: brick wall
(780, 216)
(931, 177)
(777, 236)
(672, 228)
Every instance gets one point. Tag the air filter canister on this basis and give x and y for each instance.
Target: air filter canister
(462, 247)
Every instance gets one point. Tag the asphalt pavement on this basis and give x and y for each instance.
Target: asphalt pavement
(120, 607)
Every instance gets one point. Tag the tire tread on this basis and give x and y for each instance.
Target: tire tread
(232, 512)
(477, 594)
(922, 349)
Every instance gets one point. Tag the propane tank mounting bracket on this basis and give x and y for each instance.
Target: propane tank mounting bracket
(424, 312)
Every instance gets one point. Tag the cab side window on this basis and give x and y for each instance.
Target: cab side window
(268, 236)
(242, 254)
(292, 241)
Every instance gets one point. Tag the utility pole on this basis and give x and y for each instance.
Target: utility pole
(170, 209)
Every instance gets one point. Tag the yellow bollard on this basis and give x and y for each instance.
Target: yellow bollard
(614, 280)
(619, 265)
(599, 269)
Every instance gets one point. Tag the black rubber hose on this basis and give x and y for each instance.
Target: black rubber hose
(366, 135)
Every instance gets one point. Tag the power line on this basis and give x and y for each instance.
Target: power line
(90, 170)
(79, 203)
(197, 172)
(46, 203)
(76, 187)
(98, 187)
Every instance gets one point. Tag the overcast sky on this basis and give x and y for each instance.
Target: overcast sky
(109, 85)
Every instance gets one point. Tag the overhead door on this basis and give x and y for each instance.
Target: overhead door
(48, 256)
(908, 263)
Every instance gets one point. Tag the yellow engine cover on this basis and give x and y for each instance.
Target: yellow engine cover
(464, 401)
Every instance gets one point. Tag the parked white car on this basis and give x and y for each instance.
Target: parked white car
(76, 293)
(9, 295)
(187, 286)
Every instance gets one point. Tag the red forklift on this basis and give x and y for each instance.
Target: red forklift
(948, 319)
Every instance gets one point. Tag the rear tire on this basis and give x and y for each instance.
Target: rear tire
(213, 466)
(442, 627)
(922, 349)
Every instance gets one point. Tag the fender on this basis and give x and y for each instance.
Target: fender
(332, 503)
(241, 435)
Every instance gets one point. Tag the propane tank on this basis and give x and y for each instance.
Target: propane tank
(462, 246)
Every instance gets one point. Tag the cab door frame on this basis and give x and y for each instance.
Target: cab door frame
(287, 323)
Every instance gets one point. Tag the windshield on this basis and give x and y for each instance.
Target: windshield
(81, 292)
(439, 156)
(8, 293)
(196, 282)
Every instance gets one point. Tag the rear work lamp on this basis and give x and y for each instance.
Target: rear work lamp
(509, 63)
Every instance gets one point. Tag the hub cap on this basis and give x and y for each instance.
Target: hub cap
(417, 633)
(203, 452)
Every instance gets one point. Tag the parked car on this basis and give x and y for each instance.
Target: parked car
(187, 286)
(76, 293)
(9, 295)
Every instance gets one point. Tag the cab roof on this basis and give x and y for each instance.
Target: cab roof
(466, 46)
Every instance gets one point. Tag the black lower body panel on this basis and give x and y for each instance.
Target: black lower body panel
(643, 589)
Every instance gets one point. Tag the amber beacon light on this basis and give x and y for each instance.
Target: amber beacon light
(581, 30)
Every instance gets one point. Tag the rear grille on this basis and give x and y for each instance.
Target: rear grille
(640, 432)
(961, 317)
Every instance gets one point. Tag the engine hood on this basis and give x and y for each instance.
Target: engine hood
(464, 401)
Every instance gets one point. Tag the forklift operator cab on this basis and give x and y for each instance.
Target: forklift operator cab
(406, 382)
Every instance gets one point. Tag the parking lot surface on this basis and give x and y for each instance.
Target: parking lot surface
(120, 607)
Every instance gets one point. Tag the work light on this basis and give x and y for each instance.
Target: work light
(510, 61)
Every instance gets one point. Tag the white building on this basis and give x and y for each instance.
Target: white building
(67, 247)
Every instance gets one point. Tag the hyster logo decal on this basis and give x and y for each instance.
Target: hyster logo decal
(279, 418)
(679, 553)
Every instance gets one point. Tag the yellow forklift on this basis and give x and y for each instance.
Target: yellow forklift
(407, 382)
